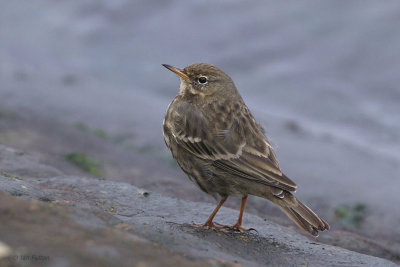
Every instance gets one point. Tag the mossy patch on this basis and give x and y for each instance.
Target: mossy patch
(96, 131)
(9, 137)
(127, 141)
(352, 215)
(5, 174)
(101, 133)
(85, 162)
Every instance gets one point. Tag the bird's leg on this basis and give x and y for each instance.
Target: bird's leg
(238, 225)
(209, 223)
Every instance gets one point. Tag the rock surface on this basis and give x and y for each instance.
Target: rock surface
(59, 220)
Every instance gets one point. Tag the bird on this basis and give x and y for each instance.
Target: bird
(216, 141)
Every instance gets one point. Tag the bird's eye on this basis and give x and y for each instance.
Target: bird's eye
(202, 79)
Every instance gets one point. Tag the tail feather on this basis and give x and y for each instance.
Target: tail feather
(303, 216)
(300, 222)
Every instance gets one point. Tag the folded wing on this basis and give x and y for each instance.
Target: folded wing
(240, 148)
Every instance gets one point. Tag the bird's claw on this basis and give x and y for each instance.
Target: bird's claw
(234, 228)
(208, 225)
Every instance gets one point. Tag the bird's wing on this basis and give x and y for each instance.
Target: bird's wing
(237, 149)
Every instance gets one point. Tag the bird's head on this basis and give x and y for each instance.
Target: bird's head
(204, 80)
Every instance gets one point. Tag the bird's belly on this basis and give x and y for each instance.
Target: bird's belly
(203, 174)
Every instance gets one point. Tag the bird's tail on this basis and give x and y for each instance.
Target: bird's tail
(302, 215)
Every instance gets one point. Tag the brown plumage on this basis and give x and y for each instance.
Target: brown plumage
(224, 151)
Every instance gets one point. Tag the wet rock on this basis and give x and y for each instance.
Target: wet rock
(17, 163)
(97, 222)
(34, 232)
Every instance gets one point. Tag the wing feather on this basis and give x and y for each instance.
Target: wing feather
(240, 150)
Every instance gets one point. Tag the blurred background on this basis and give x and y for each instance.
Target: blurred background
(82, 87)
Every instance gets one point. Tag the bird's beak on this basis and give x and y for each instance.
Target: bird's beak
(177, 71)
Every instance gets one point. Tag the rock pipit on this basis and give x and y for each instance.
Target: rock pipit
(224, 151)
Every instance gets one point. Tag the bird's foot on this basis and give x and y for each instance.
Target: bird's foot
(209, 225)
(234, 228)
